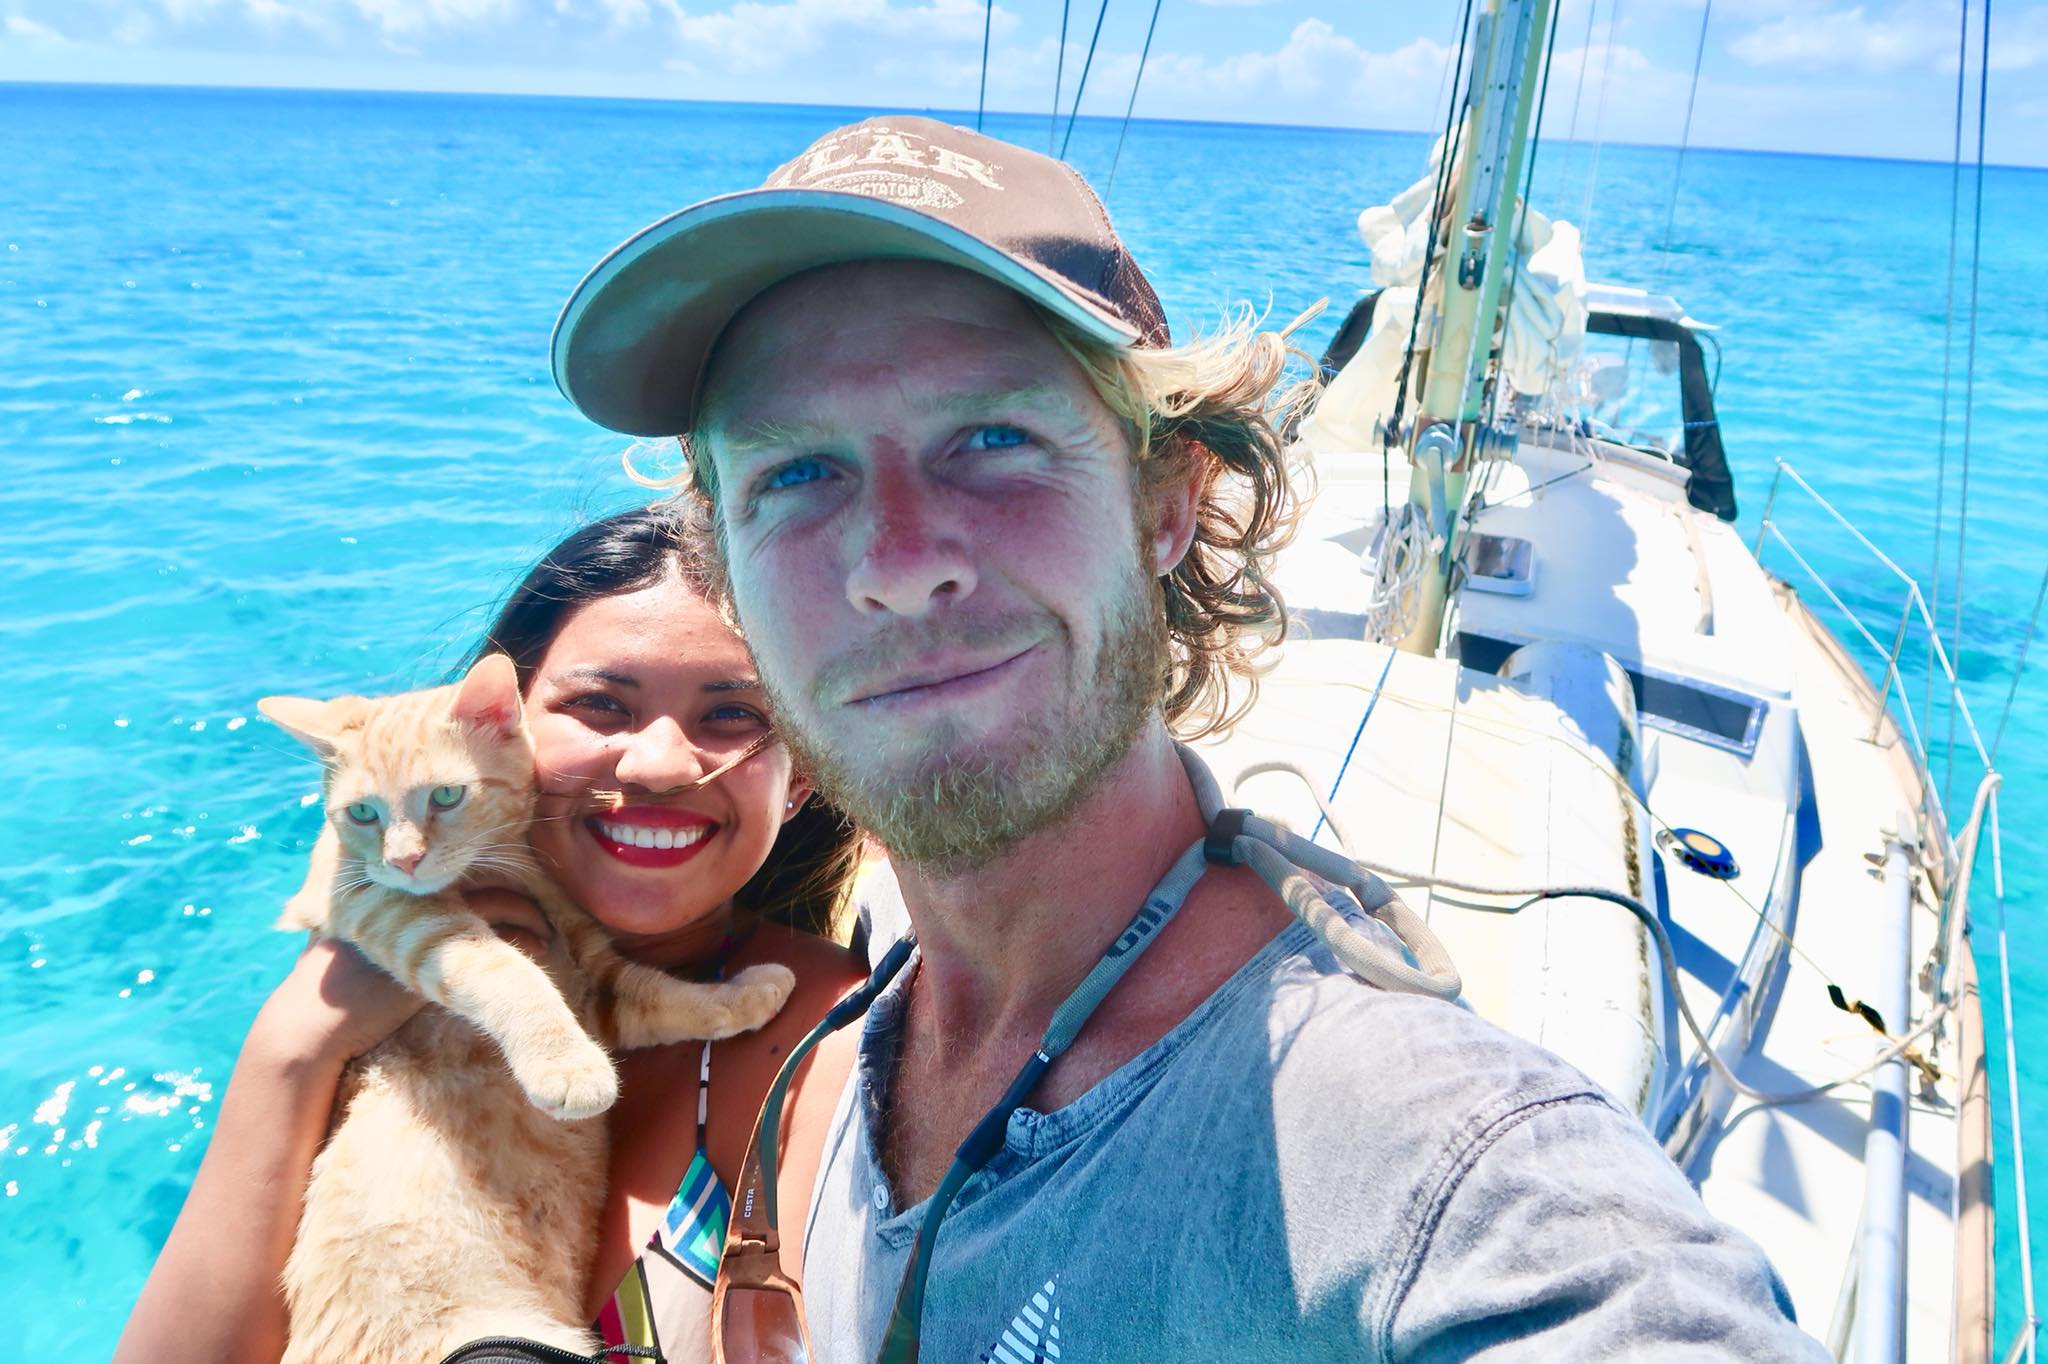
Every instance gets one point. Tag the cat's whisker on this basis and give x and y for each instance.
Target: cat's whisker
(545, 1036)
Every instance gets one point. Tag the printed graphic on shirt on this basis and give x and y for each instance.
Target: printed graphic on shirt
(1033, 1335)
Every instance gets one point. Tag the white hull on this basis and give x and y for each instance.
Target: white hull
(1755, 727)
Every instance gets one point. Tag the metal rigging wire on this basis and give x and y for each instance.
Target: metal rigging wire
(1684, 139)
(1969, 380)
(1135, 82)
(1081, 86)
(1599, 123)
(988, 18)
(2019, 669)
(1585, 46)
(1059, 71)
(1391, 431)
(1948, 347)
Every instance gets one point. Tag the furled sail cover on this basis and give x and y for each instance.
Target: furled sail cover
(1546, 315)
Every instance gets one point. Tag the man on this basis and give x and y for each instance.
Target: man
(993, 542)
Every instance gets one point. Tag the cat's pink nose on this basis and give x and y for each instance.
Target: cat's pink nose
(406, 864)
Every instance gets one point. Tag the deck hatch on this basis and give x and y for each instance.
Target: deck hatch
(1684, 706)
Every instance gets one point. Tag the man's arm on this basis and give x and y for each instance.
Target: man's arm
(1563, 1232)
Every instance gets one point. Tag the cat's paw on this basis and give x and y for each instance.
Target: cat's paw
(758, 994)
(571, 1080)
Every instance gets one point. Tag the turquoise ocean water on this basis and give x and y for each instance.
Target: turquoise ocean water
(275, 416)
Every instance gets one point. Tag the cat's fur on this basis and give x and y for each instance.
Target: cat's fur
(457, 1196)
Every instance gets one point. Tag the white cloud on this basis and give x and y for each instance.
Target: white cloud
(1245, 4)
(1851, 39)
(1596, 61)
(761, 38)
(134, 29)
(21, 26)
(404, 18)
(1822, 75)
(190, 11)
(1912, 39)
(1316, 68)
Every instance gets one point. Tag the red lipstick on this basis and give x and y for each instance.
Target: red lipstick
(636, 834)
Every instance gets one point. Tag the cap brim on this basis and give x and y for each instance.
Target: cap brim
(632, 341)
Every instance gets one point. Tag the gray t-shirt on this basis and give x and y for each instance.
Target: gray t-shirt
(1305, 1169)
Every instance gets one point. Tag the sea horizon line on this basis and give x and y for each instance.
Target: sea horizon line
(658, 101)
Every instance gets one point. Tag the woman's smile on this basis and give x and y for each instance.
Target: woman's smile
(652, 836)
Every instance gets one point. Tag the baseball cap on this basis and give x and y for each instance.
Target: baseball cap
(630, 347)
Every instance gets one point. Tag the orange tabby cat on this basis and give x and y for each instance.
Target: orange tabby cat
(448, 1205)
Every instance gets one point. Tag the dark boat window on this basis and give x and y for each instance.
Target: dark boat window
(1696, 710)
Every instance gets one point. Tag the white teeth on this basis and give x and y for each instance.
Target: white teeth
(646, 836)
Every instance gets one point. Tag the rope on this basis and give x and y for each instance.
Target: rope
(1371, 703)
(2019, 668)
(1280, 858)
(1666, 954)
(1135, 82)
(1391, 431)
(1585, 46)
(988, 18)
(1948, 351)
(1399, 567)
(1599, 123)
(1684, 139)
(1622, 789)
(2012, 1087)
(1955, 652)
(1668, 959)
(1082, 85)
(1059, 70)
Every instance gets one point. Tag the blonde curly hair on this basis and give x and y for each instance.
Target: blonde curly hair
(1208, 412)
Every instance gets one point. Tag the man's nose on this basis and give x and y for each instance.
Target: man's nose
(658, 757)
(912, 553)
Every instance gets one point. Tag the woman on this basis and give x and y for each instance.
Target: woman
(633, 683)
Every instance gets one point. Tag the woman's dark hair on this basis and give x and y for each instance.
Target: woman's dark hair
(807, 880)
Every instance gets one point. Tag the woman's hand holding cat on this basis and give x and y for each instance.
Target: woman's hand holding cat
(335, 1005)
(331, 1008)
(514, 917)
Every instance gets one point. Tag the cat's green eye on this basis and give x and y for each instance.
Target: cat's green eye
(362, 812)
(446, 797)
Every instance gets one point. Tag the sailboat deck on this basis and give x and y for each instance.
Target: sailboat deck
(1792, 1175)
(1623, 565)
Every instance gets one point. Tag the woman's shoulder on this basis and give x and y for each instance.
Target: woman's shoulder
(821, 965)
(742, 1066)
(824, 971)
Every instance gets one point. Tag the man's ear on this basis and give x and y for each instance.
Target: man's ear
(1173, 507)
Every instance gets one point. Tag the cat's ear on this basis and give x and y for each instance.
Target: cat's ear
(488, 698)
(316, 724)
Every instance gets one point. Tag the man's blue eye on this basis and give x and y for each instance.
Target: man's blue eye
(997, 437)
(795, 472)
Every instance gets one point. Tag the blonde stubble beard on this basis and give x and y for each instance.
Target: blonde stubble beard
(957, 809)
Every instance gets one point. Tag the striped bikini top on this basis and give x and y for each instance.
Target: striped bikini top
(664, 1302)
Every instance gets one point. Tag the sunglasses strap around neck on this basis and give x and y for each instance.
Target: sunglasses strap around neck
(900, 1340)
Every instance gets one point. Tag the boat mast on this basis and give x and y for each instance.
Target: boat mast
(1476, 251)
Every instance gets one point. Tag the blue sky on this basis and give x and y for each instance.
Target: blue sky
(1870, 79)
